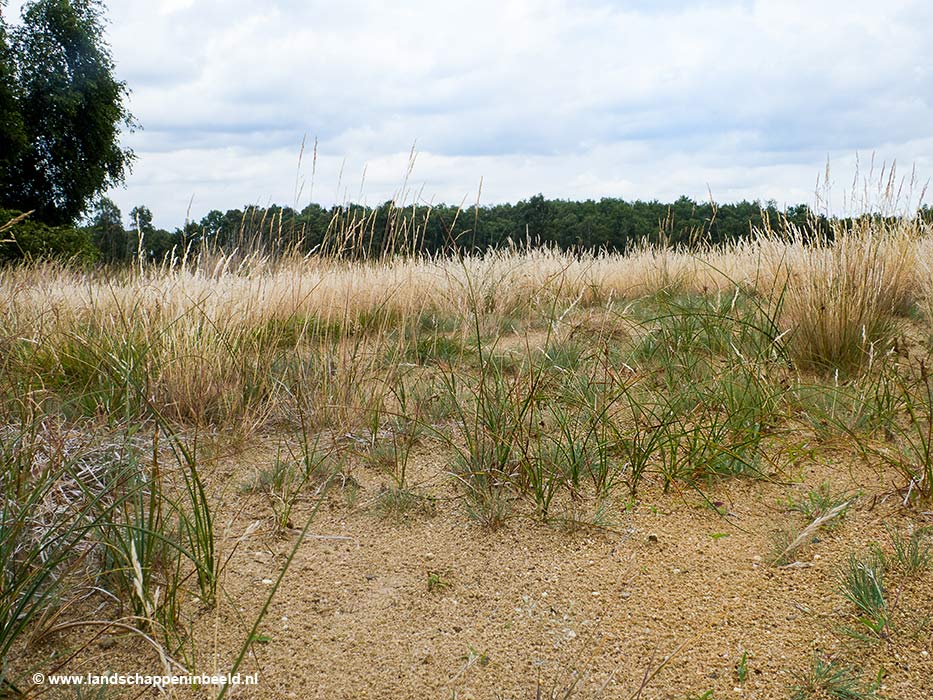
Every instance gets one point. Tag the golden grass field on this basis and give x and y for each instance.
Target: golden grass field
(666, 474)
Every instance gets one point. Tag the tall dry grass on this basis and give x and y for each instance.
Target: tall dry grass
(840, 299)
(202, 335)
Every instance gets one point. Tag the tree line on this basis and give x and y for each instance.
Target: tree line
(354, 230)
(358, 231)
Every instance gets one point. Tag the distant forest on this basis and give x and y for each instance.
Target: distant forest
(356, 231)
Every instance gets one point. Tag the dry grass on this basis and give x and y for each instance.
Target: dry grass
(205, 330)
(842, 297)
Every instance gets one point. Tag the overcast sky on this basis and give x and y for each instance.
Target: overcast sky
(634, 99)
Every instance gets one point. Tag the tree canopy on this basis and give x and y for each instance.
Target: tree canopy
(61, 111)
(12, 134)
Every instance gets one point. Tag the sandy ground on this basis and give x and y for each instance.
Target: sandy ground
(438, 607)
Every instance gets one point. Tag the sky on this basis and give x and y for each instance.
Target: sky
(575, 100)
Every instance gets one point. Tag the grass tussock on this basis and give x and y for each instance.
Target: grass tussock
(842, 297)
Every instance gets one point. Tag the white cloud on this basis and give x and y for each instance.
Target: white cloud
(573, 99)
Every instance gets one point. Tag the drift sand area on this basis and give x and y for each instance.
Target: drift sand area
(525, 474)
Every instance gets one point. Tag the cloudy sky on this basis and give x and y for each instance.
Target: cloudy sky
(633, 99)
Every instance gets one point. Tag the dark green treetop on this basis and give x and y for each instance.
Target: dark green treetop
(60, 82)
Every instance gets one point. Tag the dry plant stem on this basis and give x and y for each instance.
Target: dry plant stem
(810, 530)
(167, 660)
(650, 672)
